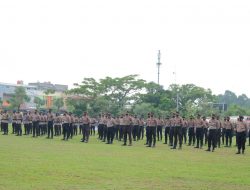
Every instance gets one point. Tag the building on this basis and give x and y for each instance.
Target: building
(32, 90)
(49, 86)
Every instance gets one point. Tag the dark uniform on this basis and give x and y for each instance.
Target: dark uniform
(213, 133)
(19, 119)
(152, 125)
(50, 117)
(127, 129)
(65, 126)
(110, 129)
(199, 132)
(35, 124)
(228, 126)
(184, 130)
(241, 131)
(86, 128)
(159, 128)
(178, 123)
(191, 133)
(5, 122)
(167, 129)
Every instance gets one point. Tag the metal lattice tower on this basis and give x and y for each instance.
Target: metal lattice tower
(158, 65)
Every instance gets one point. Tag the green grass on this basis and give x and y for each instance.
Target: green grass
(27, 163)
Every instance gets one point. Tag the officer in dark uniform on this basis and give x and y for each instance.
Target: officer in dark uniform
(241, 131)
(50, 117)
(4, 122)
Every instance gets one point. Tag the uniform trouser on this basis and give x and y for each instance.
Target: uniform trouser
(116, 131)
(85, 132)
(50, 129)
(19, 129)
(30, 129)
(223, 135)
(80, 129)
(120, 132)
(147, 134)
(127, 131)
(241, 140)
(171, 136)
(177, 136)
(57, 126)
(26, 128)
(199, 137)
(218, 137)
(105, 131)
(135, 132)
(152, 135)
(212, 138)
(110, 134)
(13, 128)
(100, 131)
(228, 137)
(75, 129)
(65, 130)
(41, 130)
(141, 132)
(70, 133)
(191, 135)
(5, 128)
(92, 130)
(184, 134)
(1, 127)
(34, 128)
(249, 137)
(205, 135)
(159, 133)
(166, 134)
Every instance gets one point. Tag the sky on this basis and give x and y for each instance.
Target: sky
(206, 43)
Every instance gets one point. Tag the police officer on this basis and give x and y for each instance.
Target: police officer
(5, 122)
(152, 125)
(228, 126)
(57, 124)
(127, 129)
(110, 129)
(14, 122)
(199, 131)
(86, 127)
(184, 130)
(177, 130)
(65, 126)
(241, 131)
(35, 123)
(159, 128)
(167, 129)
(50, 117)
(205, 128)
(171, 133)
(191, 133)
(213, 132)
(19, 119)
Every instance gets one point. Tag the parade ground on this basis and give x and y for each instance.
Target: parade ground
(40, 163)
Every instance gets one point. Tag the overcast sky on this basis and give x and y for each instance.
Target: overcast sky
(204, 42)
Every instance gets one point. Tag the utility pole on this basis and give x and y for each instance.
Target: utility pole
(158, 65)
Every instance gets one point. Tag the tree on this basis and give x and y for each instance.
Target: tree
(49, 91)
(39, 102)
(19, 97)
(111, 94)
(58, 103)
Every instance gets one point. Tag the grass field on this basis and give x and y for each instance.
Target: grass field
(27, 163)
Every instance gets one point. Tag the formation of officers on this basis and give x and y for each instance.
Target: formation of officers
(193, 131)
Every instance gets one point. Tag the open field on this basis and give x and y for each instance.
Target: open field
(40, 163)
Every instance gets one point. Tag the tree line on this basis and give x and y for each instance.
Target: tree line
(129, 93)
